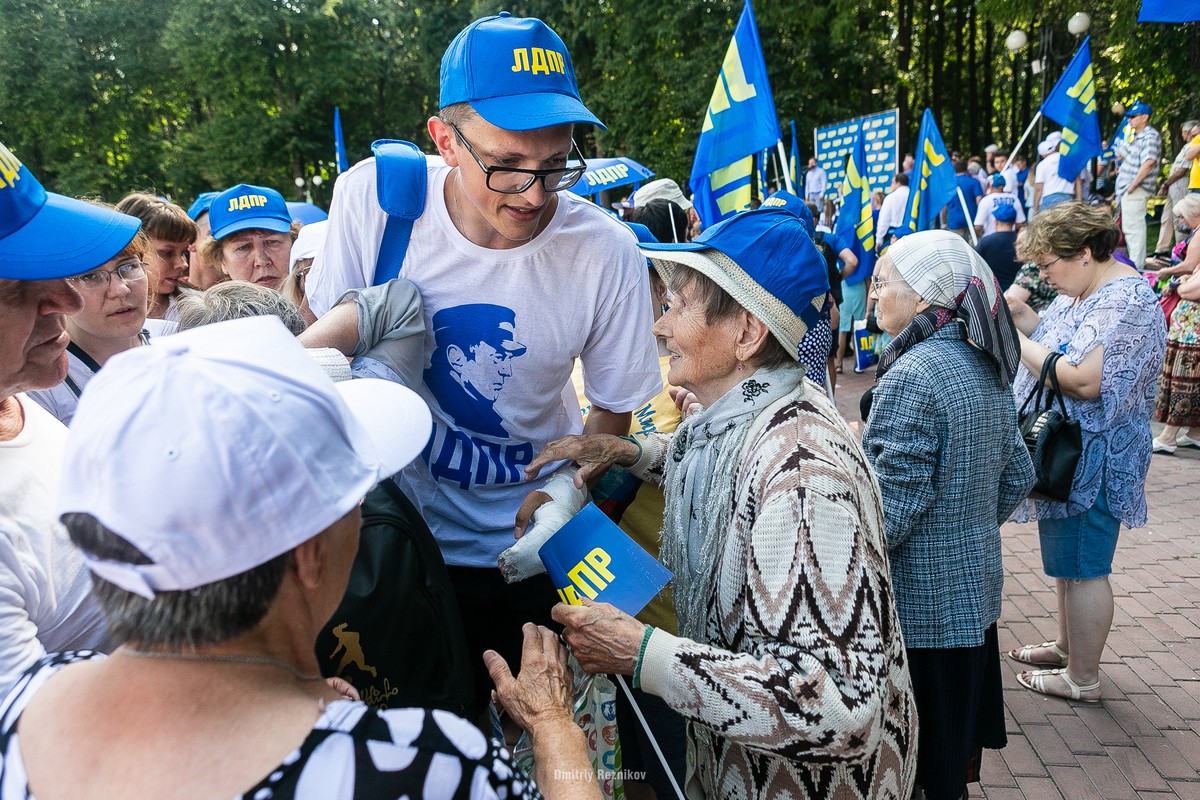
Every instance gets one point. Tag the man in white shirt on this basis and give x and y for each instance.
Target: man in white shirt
(46, 603)
(517, 279)
(891, 213)
(997, 195)
(1049, 188)
(815, 183)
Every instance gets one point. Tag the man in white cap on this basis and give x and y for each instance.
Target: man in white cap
(1049, 188)
(45, 240)
(499, 238)
(1137, 179)
(667, 189)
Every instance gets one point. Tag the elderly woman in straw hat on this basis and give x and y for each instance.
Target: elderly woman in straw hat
(215, 595)
(942, 437)
(789, 666)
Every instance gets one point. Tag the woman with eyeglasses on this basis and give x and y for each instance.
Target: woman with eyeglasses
(941, 436)
(113, 320)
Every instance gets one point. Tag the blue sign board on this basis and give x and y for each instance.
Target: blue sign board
(833, 143)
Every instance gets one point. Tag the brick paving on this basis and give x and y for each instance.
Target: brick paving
(1143, 740)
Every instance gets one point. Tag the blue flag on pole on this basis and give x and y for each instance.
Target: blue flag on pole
(740, 122)
(933, 184)
(794, 162)
(1169, 11)
(1072, 104)
(855, 224)
(591, 557)
(339, 142)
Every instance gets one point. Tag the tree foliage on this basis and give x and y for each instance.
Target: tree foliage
(180, 97)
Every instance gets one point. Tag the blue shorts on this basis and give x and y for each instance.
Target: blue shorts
(854, 305)
(1080, 547)
(1051, 200)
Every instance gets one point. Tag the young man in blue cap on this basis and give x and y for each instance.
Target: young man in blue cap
(45, 240)
(1137, 179)
(498, 232)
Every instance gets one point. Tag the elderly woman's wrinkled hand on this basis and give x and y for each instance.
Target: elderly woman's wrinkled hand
(541, 692)
(593, 453)
(602, 638)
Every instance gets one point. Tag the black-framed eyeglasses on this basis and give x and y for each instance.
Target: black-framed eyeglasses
(1048, 264)
(511, 180)
(101, 278)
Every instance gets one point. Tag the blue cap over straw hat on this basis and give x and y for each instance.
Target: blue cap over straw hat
(201, 204)
(515, 72)
(1138, 109)
(245, 207)
(766, 261)
(45, 235)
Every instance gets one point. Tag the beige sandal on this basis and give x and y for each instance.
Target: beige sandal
(1025, 655)
(1036, 681)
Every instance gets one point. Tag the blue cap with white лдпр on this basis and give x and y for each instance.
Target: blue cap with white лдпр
(245, 207)
(44, 236)
(514, 72)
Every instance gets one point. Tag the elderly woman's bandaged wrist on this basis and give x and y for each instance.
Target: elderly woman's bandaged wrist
(521, 561)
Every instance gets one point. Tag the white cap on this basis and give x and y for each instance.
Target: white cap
(661, 189)
(309, 242)
(1049, 144)
(217, 449)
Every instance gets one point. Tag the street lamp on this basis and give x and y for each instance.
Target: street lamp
(1079, 23)
(306, 187)
(1015, 41)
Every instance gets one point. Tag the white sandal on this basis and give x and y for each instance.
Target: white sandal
(1025, 655)
(1037, 682)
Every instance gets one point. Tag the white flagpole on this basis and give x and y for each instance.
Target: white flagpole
(967, 214)
(787, 173)
(1024, 136)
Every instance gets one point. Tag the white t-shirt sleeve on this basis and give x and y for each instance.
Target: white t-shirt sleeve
(355, 230)
(620, 359)
(19, 645)
(982, 210)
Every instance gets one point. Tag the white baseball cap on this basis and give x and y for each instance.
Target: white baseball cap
(217, 449)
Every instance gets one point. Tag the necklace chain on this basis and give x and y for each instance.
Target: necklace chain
(225, 659)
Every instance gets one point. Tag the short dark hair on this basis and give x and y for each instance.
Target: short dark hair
(206, 615)
(665, 219)
(901, 179)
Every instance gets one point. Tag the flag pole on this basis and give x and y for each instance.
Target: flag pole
(787, 173)
(1024, 136)
(967, 214)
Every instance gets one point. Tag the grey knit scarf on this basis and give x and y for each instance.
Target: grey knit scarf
(698, 483)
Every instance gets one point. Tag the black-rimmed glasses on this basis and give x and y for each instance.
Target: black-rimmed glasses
(101, 278)
(511, 180)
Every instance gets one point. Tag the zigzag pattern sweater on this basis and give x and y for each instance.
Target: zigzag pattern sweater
(801, 685)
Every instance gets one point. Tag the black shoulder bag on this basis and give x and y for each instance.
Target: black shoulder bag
(1054, 440)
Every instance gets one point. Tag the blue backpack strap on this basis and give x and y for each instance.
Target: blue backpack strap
(400, 178)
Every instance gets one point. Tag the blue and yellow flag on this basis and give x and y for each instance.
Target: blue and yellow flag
(794, 162)
(1072, 104)
(855, 223)
(1122, 134)
(740, 122)
(339, 142)
(932, 185)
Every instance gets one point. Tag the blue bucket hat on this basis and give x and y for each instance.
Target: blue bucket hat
(1005, 212)
(243, 207)
(1139, 108)
(515, 72)
(44, 236)
(766, 261)
(201, 204)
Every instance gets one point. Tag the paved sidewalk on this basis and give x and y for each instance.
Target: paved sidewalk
(1143, 740)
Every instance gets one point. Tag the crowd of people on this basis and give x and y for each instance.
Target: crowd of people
(503, 351)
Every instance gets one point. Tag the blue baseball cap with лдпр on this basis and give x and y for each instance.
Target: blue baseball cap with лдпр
(245, 207)
(514, 72)
(45, 236)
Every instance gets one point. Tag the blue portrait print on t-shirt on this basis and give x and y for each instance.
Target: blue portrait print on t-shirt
(474, 347)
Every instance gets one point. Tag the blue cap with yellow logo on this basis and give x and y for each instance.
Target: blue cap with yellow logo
(244, 207)
(515, 72)
(44, 236)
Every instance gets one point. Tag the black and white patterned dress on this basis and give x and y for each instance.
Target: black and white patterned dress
(353, 751)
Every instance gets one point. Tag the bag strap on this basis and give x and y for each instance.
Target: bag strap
(400, 178)
(1055, 391)
(1036, 393)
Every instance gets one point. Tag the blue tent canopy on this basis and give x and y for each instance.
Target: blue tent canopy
(609, 173)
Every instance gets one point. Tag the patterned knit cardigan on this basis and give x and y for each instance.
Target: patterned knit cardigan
(801, 686)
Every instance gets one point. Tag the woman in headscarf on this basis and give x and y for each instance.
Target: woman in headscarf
(942, 436)
(789, 666)
(1111, 332)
